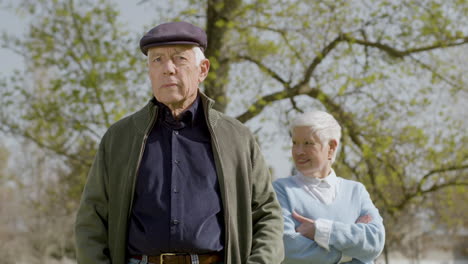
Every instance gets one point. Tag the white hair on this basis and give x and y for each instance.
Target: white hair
(199, 55)
(322, 124)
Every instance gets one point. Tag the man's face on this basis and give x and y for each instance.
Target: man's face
(309, 154)
(175, 75)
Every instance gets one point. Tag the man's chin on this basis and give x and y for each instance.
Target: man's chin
(170, 100)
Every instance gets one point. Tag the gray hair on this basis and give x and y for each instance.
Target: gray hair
(322, 124)
(199, 55)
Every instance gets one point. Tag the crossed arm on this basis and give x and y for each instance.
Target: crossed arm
(362, 241)
(307, 226)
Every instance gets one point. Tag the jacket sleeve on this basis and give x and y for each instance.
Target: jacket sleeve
(267, 229)
(91, 234)
(298, 248)
(361, 241)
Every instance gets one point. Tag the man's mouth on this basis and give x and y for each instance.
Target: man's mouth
(169, 85)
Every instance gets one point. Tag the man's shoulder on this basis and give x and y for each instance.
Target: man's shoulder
(134, 122)
(220, 119)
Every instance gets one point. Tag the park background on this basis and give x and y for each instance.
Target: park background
(393, 73)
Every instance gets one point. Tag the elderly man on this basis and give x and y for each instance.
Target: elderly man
(178, 182)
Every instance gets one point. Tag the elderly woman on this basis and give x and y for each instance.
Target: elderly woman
(327, 219)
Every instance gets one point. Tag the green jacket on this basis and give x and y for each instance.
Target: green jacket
(252, 215)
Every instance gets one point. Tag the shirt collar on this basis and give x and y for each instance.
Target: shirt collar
(187, 117)
(330, 181)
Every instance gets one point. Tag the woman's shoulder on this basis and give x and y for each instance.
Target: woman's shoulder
(351, 185)
(349, 181)
(284, 182)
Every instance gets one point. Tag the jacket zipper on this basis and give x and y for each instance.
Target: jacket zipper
(140, 157)
(221, 183)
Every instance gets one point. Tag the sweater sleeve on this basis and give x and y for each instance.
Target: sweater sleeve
(362, 241)
(300, 249)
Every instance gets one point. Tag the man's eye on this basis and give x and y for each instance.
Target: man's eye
(156, 59)
(181, 58)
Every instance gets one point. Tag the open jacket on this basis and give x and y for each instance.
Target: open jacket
(252, 215)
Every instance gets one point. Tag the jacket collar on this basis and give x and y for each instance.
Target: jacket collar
(187, 118)
(144, 119)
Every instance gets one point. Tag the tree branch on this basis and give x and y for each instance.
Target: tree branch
(319, 58)
(60, 152)
(434, 188)
(88, 51)
(299, 89)
(286, 39)
(266, 100)
(439, 170)
(440, 76)
(393, 52)
(264, 68)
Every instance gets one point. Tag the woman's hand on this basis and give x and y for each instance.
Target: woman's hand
(307, 226)
(365, 219)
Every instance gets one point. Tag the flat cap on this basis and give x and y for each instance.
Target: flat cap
(173, 33)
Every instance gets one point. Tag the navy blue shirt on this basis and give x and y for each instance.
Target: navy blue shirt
(177, 205)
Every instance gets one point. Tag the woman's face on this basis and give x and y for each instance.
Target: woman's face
(311, 157)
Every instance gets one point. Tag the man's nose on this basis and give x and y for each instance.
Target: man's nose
(169, 67)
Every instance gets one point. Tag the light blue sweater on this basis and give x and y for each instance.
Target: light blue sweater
(362, 242)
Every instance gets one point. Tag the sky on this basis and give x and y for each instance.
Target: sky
(135, 17)
(9, 23)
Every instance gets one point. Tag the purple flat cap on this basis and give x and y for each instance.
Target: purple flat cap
(173, 33)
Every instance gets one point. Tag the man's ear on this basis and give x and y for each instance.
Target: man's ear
(204, 69)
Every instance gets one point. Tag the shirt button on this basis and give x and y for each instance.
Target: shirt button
(175, 222)
(176, 161)
(176, 132)
(175, 190)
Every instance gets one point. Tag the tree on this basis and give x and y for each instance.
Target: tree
(35, 222)
(8, 208)
(392, 73)
(75, 84)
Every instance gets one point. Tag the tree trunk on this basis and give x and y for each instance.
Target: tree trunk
(219, 15)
